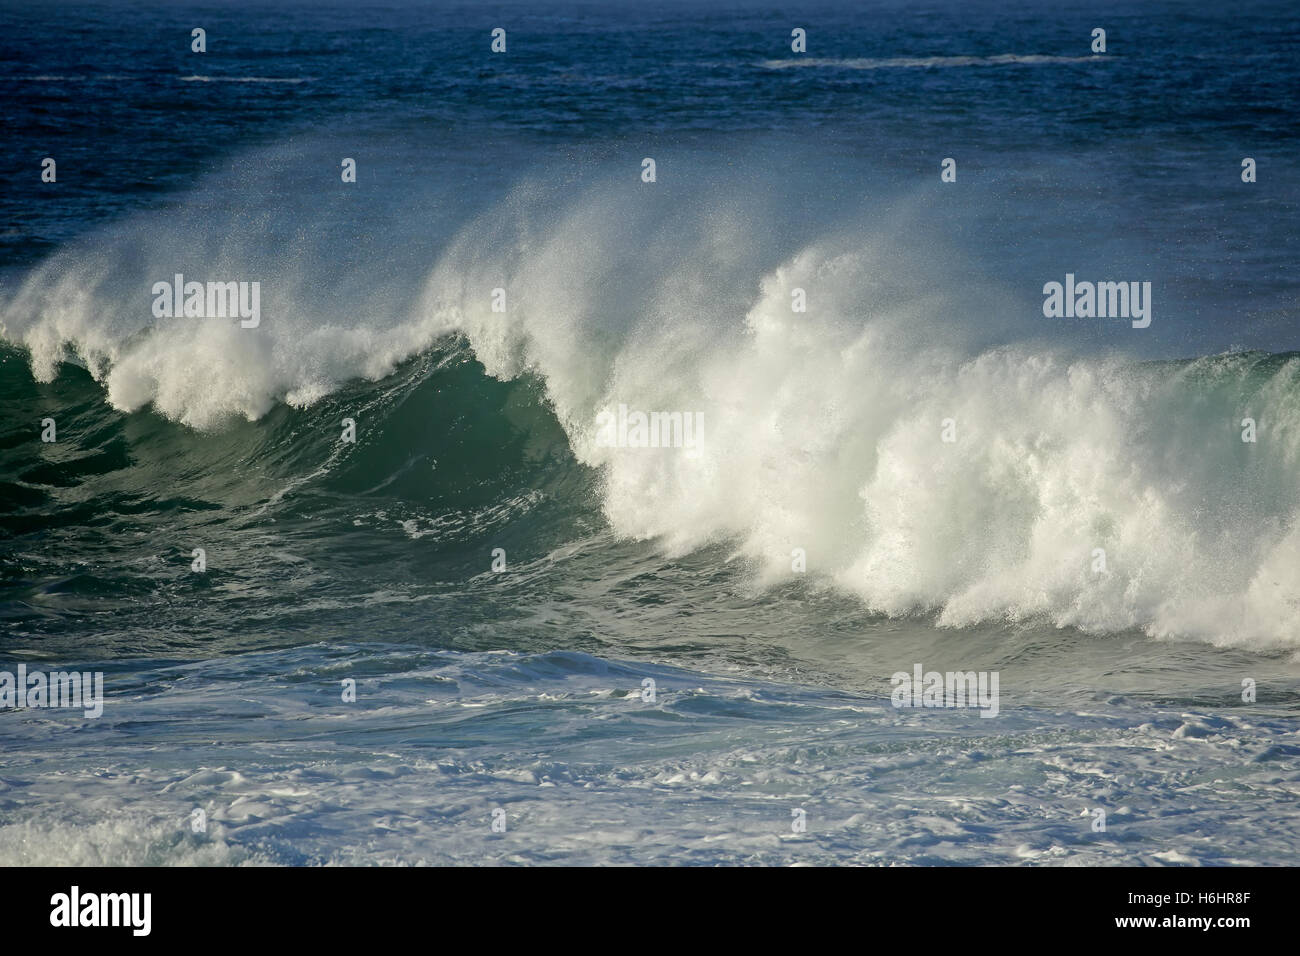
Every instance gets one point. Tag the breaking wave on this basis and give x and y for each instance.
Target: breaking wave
(913, 469)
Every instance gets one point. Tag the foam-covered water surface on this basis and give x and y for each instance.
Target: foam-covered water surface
(708, 773)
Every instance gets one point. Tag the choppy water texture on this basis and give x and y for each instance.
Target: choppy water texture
(1121, 689)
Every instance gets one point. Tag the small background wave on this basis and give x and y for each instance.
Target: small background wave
(929, 62)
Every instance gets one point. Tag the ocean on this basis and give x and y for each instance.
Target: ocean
(558, 507)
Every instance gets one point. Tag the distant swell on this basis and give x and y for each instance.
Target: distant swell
(246, 79)
(915, 62)
(106, 77)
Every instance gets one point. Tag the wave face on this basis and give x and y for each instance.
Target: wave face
(917, 467)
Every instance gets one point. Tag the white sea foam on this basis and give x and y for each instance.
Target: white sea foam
(825, 435)
(589, 773)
